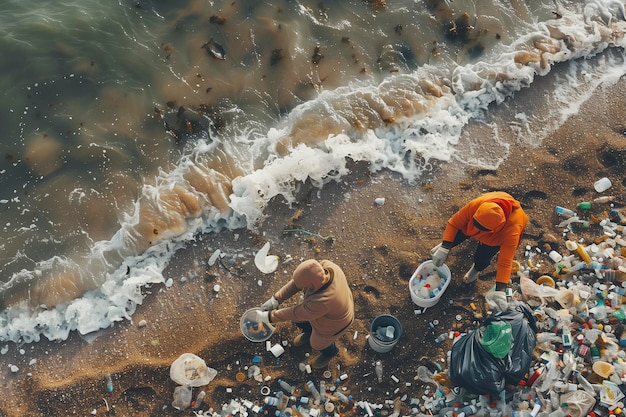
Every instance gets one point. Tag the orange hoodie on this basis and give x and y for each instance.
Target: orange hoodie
(507, 234)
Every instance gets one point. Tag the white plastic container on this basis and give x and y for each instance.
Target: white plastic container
(424, 270)
(602, 184)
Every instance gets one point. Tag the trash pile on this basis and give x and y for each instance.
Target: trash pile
(557, 351)
(189, 371)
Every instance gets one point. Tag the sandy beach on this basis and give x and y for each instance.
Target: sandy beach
(378, 246)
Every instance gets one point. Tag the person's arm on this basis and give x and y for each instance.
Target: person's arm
(306, 311)
(458, 220)
(505, 262)
(287, 291)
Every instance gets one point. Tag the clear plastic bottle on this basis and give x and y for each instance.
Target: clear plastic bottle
(199, 398)
(378, 369)
(343, 397)
(323, 390)
(285, 386)
(565, 211)
(273, 401)
(586, 385)
(439, 339)
(316, 394)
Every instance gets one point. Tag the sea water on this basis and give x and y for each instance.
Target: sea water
(129, 128)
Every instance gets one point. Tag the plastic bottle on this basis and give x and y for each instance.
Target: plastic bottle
(316, 394)
(196, 404)
(565, 211)
(441, 338)
(586, 385)
(182, 397)
(604, 199)
(285, 386)
(378, 369)
(580, 265)
(323, 390)
(109, 382)
(468, 410)
(343, 397)
(273, 401)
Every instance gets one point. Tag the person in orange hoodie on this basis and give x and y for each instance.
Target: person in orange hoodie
(325, 312)
(497, 221)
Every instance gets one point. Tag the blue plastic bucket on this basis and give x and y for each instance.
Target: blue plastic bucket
(378, 344)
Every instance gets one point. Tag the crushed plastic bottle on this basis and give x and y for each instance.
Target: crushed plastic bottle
(182, 397)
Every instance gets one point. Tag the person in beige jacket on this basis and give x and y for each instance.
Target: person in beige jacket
(325, 312)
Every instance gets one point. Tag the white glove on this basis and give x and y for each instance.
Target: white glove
(263, 316)
(496, 300)
(271, 304)
(440, 255)
(434, 249)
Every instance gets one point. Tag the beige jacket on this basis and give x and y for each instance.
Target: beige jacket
(327, 303)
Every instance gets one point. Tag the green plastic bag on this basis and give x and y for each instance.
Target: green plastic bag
(498, 338)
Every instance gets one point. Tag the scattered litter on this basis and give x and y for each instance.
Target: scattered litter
(214, 257)
(264, 262)
(191, 370)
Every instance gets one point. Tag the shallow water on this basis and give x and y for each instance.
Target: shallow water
(131, 127)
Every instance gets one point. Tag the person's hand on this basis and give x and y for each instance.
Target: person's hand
(261, 316)
(440, 254)
(271, 304)
(496, 300)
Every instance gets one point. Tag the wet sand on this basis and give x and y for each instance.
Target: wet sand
(379, 247)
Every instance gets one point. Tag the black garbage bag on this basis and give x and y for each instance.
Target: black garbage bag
(524, 331)
(474, 368)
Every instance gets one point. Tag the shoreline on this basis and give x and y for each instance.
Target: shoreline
(378, 247)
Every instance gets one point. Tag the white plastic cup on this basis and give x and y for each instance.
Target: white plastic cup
(602, 184)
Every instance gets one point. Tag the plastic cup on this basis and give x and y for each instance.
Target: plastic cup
(602, 184)
(602, 368)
